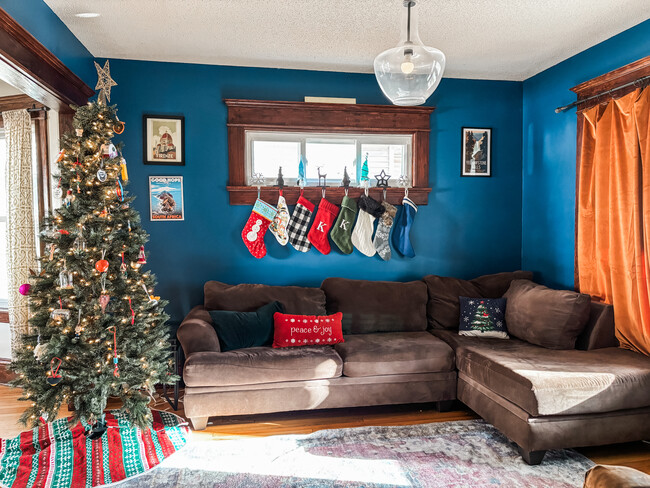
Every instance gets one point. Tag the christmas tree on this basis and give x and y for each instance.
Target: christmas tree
(482, 319)
(95, 330)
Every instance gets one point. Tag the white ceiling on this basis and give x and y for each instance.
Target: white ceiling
(485, 39)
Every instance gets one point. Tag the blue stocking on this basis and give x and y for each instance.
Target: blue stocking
(402, 228)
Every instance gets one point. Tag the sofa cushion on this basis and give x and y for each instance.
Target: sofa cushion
(483, 317)
(443, 309)
(306, 330)
(550, 382)
(256, 365)
(546, 317)
(249, 297)
(237, 330)
(377, 306)
(391, 353)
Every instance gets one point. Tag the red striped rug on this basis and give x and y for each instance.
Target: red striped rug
(57, 456)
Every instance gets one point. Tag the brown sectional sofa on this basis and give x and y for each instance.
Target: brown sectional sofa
(400, 347)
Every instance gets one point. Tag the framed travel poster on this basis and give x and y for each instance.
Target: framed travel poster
(166, 198)
(476, 152)
(164, 139)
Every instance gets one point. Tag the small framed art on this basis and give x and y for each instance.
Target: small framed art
(476, 152)
(164, 139)
(166, 198)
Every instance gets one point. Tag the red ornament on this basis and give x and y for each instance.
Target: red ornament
(101, 265)
(142, 259)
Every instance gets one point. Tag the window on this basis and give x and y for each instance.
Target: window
(264, 135)
(327, 154)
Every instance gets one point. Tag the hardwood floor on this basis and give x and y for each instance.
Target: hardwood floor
(633, 454)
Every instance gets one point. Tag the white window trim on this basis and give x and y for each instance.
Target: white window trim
(360, 138)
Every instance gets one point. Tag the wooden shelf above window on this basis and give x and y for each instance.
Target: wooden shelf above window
(246, 195)
(281, 116)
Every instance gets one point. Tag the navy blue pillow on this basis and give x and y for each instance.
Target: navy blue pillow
(237, 330)
(483, 317)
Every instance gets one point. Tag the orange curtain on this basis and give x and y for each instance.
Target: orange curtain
(613, 238)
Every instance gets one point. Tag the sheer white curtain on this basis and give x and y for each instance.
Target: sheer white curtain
(21, 245)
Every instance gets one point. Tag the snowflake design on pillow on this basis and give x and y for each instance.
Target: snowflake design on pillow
(483, 317)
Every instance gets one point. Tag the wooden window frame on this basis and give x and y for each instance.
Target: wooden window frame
(609, 85)
(276, 116)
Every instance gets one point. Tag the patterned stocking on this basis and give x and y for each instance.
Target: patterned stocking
(369, 210)
(381, 241)
(299, 224)
(279, 225)
(256, 226)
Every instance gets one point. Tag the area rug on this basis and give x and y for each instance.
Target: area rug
(57, 456)
(450, 454)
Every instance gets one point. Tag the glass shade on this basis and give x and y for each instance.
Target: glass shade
(409, 73)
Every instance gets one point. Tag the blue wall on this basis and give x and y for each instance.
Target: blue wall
(470, 227)
(44, 25)
(549, 153)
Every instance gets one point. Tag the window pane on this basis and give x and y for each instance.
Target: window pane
(387, 157)
(269, 155)
(331, 157)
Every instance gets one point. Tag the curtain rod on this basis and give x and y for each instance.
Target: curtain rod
(606, 92)
(35, 109)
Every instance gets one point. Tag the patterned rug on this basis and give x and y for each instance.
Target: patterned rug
(450, 454)
(56, 456)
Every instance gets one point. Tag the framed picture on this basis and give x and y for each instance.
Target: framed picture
(164, 139)
(476, 152)
(166, 198)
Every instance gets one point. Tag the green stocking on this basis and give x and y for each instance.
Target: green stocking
(342, 230)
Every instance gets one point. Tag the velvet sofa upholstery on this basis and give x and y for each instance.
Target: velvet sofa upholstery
(540, 398)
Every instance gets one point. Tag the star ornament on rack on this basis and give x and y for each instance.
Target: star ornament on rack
(382, 179)
(104, 82)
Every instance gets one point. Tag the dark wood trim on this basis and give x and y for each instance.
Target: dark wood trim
(246, 195)
(16, 102)
(5, 374)
(4, 317)
(34, 70)
(267, 115)
(609, 83)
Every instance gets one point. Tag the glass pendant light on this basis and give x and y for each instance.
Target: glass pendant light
(409, 73)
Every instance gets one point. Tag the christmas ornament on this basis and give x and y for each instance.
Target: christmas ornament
(256, 226)
(58, 191)
(24, 289)
(369, 210)
(342, 231)
(102, 264)
(123, 171)
(298, 224)
(108, 151)
(403, 182)
(257, 179)
(61, 156)
(324, 176)
(279, 225)
(78, 328)
(52, 247)
(104, 213)
(119, 191)
(382, 179)
(39, 349)
(132, 313)
(66, 280)
(142, 259)
(280, 180)
(152, 299)
(101, 174)
(129, 225)
(104, 83)
(99, 427)
(104, 298)
(43, 418)
(79, 244)
(402, 228)
(79, 132)
(124, 268)
(381, 241)
(116, 370)
(69, 198)
(63, 232)
(60, 313)
(118, 127)
(323, 221)
(54, 378)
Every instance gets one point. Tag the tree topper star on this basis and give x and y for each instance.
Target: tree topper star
(382, 179)
(104, 82)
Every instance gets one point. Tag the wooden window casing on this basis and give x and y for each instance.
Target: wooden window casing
(262, 115)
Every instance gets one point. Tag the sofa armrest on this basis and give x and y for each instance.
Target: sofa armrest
(599, 331)
(196, 333)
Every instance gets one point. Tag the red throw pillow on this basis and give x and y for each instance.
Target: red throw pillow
(306, 330)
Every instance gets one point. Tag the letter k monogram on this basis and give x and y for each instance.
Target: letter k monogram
(321, 226)
(344, 224)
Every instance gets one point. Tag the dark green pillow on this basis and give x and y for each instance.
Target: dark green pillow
(237, 330)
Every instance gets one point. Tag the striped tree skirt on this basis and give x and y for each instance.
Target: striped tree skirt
(59, 456)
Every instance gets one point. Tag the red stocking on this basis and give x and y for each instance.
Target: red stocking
(256, 226)
(323, 221)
